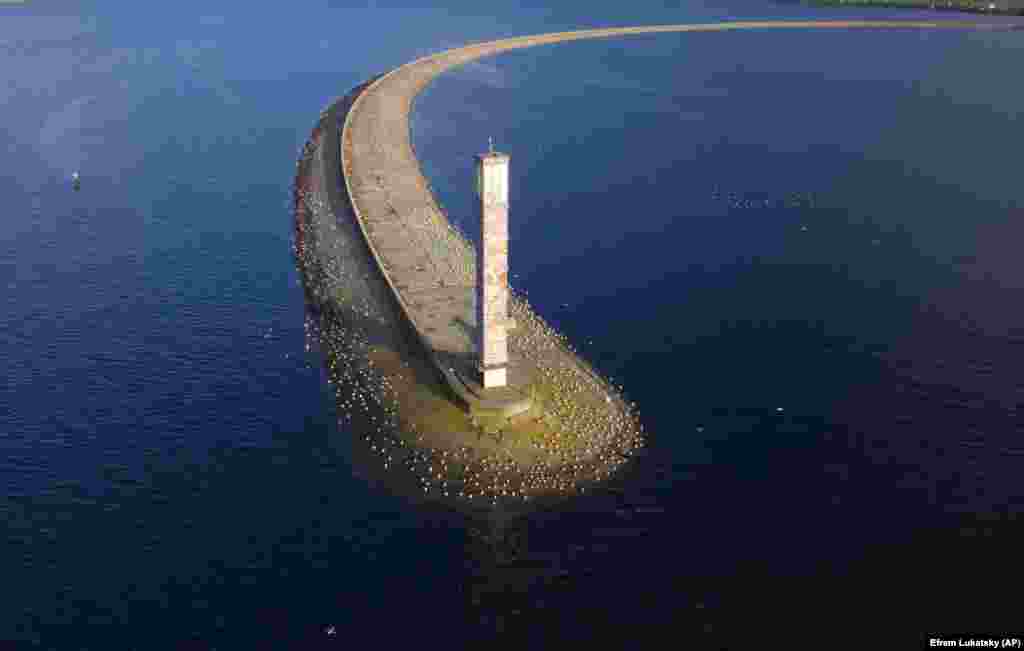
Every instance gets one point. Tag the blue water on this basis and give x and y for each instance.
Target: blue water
(171, 465)
(793, 264)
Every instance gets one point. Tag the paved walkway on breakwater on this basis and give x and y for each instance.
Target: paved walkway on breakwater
(428, 264)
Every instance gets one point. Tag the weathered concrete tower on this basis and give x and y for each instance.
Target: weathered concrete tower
(492, 268)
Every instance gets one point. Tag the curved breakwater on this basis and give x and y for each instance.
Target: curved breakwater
(395, 326)
(411, 434)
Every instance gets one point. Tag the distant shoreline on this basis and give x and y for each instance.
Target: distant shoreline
(996, 8)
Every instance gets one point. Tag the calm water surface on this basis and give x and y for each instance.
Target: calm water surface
(798, 264)
(795, 251)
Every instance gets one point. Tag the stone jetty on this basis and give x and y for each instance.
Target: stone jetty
(557, 426)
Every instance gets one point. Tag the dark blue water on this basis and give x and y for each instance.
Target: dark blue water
(797, 263)
(171, 466)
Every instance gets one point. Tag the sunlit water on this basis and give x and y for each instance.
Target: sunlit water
(798, 258)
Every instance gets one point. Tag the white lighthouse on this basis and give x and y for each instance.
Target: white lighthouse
(492, 269)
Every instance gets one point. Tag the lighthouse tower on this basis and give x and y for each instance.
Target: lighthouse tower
(492, 268)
